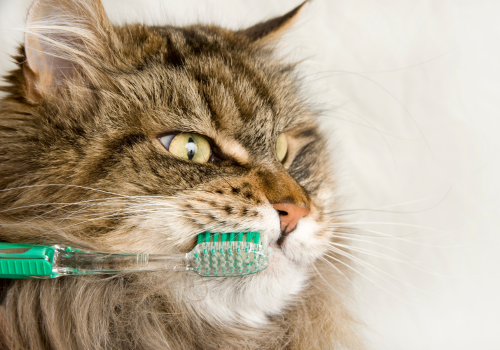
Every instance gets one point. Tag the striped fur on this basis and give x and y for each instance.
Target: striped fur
(81, 164)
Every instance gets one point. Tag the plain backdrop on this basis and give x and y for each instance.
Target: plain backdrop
(411, 97)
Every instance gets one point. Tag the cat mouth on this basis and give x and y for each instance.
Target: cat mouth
(284, 234)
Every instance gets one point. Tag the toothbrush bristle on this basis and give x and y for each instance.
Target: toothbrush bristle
(229, 254)
(249, 237)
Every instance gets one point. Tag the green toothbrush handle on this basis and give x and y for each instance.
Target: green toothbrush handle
(25, 261)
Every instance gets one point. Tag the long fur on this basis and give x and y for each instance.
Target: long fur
(80, 164)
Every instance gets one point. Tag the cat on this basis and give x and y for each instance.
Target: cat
(137, 138)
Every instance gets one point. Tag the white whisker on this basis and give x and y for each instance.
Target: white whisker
(373, 268)
(412, 263)
(399, 238)
(362, 275)
(328, 283)
(341, 224)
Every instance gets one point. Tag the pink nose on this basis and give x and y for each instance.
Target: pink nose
(289, 215)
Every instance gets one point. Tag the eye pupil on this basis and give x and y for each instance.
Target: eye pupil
(187, 146)
(191, 148)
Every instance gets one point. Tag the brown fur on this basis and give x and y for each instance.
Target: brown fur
(89, 142)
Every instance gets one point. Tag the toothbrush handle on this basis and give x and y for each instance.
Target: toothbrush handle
(88, 263)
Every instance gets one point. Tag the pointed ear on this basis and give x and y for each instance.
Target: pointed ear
(272, 29)
(63, 39)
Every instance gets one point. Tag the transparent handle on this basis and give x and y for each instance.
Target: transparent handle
(83, 263)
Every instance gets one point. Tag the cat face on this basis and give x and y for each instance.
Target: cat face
(106, 118)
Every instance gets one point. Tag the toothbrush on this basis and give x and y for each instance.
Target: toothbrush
(215, 255)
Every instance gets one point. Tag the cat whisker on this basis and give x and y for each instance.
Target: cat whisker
(61, 185)
(365, 277)
(348, 236)
(382, 235)
(99, 202)
(372, 243)
(442, 232)
(382, 209)
(62, 204)
(375, 269)
(329, 284)
(412, 263)
(130, 212)
(366, 251)
(124, 212)
(101, 217)
(362, 275)
(128, 207)
(40, 216)
(100, 191)
(375, 234)
(340, 224)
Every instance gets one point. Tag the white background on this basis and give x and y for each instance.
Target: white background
(411, 91)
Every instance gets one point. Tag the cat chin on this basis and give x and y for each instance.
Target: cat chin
(251, 299)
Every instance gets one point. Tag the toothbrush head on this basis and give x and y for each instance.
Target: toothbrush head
(229, 254)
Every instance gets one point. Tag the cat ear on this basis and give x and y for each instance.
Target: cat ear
(63, 38)
(272, 29)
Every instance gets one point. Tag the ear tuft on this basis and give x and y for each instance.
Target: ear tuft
(272, 29)
(63, 39)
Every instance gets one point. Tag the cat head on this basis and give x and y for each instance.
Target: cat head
(137, 138)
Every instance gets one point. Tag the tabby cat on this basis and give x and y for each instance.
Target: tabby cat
(137, 138)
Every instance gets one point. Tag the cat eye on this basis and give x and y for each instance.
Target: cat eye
(281, 147)
(187, 146)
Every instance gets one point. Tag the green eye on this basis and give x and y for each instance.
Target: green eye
(187, 146)
(281, 147)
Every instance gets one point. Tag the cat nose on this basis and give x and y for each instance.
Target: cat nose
(289, 215)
